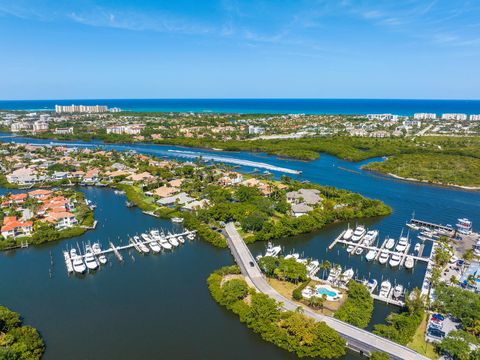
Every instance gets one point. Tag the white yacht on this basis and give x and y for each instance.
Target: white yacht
(402, 244)
(155, 246)
(358, 233)
(348, 234)
(371, 285)
(313, 267)
(173, 240)
(417, 248)
(395, 260)
(77, 262)
(413, 226)
(177, 220)
(145, 237)
(335, 272)
(180, 239)
(143, 248)
(273, 250)
(385, 288)
(390, 244)
(409, 262)
(164, 243)
(359, 251)
(370, 237)
(350, 248)
(398, 291)
(90, 259)
(347, 275)
(383, 258)
(101, 257)
(191, 236)
(292, 256)
(155, 235)
(371, 255)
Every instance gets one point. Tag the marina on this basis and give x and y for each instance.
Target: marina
(95, 255)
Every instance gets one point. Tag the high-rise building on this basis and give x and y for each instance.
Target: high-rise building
(475, 117)
(454, 116)
(80, 109)
(425, 116)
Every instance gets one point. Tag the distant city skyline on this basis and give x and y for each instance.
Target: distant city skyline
(364, 49)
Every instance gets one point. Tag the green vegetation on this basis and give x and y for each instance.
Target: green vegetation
(136, 195)
(378, 355)
(435, 168)
(419, 344)
(283, 269)
(457, 345)
(462, 304)
(358, 308)
(402, 327)
(288, 330)
(18, 342)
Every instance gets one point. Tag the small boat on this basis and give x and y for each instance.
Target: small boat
(371, 285)
(409, 262)
(292, 256)
(385, 288)
(101, 257)
(350, 248)
(119, 192)
(371, 255)
(143, 248)
(402, 244)
(313, 267)
(130, 204)
(417, 248)
(358, 233)
(413, 226)
(191, 236)
(390, 243)
(348, 234)
(464, 226)
(77, 262)
(395, 260)
(335, 272)
(165, 244)
(422, 238)
(383, 258)
(398, 291)
(90, 259)
(347, 275)
(180, 239)
(359, 251)
(177, 220)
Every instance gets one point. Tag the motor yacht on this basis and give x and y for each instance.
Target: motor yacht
(273, 250)
(350, 248)
(385, 288)
(77, 262)
(347, 275)
(395, 260)
(180, 239)
(90, 259)
(371, 285)
(402, 244)
(358, 233)
(359, 251)
(370, 237)
(348, 234)
(97, 251)
(409, 262)
(398, 291)
(177, 220)
(292, 256)
(383, 258)
(371, 255)
(173, 240)
(390, 243)
(335, 272)
(313, 267)
(191, 236)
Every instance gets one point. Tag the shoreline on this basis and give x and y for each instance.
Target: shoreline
(426, 182)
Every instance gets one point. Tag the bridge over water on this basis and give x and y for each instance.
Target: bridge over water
(357, 339)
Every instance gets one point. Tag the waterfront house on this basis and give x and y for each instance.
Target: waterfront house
(91, 176)
(231, 178)
(62, 220)
(40, 194)
(144, 177)
(59, 175)
(196, 205)
(13, 228)
(25, 176)
(300, 209)
(179, 199)
(165, 191)
(176, 183)
(307, 196)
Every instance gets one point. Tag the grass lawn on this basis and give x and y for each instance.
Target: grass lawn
(419, 344)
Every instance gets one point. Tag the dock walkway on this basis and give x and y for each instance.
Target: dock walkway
(357, 339)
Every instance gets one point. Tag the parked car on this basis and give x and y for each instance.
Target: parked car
(439, 317)
(435, 333)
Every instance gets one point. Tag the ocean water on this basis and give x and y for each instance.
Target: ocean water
(272, 106)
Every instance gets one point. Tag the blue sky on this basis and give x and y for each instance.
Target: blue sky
(56, 49)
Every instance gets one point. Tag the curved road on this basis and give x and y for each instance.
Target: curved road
(357, 339)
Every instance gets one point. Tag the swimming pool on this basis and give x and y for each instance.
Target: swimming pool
(326, 291)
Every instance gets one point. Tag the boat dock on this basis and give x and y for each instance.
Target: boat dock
(389, 300)
(116, 250)
(431, 225)
(368, 247)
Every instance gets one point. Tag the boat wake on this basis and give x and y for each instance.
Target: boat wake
(230, 160)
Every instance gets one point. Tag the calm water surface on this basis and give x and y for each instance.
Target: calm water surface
(159, 306)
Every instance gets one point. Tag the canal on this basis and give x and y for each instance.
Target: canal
(159, 306)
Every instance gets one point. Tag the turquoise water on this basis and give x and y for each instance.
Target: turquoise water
(273, 106)
(159, 306)
(324, 291)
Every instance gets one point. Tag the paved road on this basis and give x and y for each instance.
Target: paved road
(357, 339)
